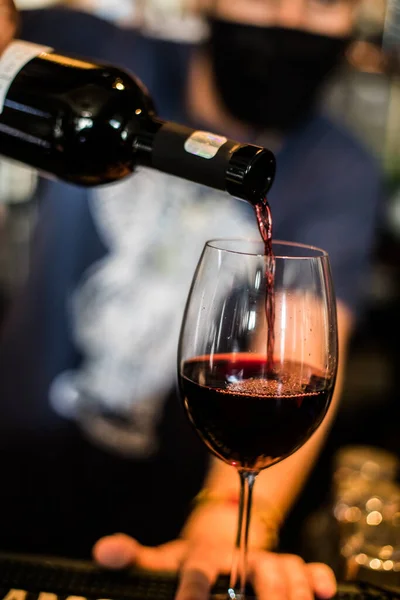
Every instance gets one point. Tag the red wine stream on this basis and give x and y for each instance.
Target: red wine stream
(264, 221)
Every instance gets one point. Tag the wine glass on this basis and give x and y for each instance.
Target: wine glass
(251, 410)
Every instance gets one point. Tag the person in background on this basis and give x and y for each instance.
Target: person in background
(95, 442)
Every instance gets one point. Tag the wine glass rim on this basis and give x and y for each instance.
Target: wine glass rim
(215, 244)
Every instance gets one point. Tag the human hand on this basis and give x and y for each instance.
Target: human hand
(8, 22)
(274, 576)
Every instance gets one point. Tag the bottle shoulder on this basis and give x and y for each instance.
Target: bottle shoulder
(67, 87)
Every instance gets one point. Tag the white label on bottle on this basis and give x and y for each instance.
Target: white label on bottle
(16, 56)
(204, 144)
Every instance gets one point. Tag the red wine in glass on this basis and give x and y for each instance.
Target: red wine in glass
(248, 420)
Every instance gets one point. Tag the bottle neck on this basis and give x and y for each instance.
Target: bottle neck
(143, 143)
(243, 170)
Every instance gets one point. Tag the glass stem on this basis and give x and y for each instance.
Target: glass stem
(237, 583)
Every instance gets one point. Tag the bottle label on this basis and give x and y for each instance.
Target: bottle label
(204, 144)
(13, 59)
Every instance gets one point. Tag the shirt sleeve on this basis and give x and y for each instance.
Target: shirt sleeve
(341, 216)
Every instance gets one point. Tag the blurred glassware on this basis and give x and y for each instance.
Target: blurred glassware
(374, 545)
(356, 466)
(359, 471)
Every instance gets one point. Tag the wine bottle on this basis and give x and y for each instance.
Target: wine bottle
(90, 124)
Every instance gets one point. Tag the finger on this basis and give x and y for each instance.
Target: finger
(116, 551)
(168, 557)
(297, 579)
(199, 572)
(8, 22)
(120, 550)
(268, 576)
(322, 580)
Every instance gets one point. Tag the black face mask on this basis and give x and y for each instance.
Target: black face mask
(269, 77)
